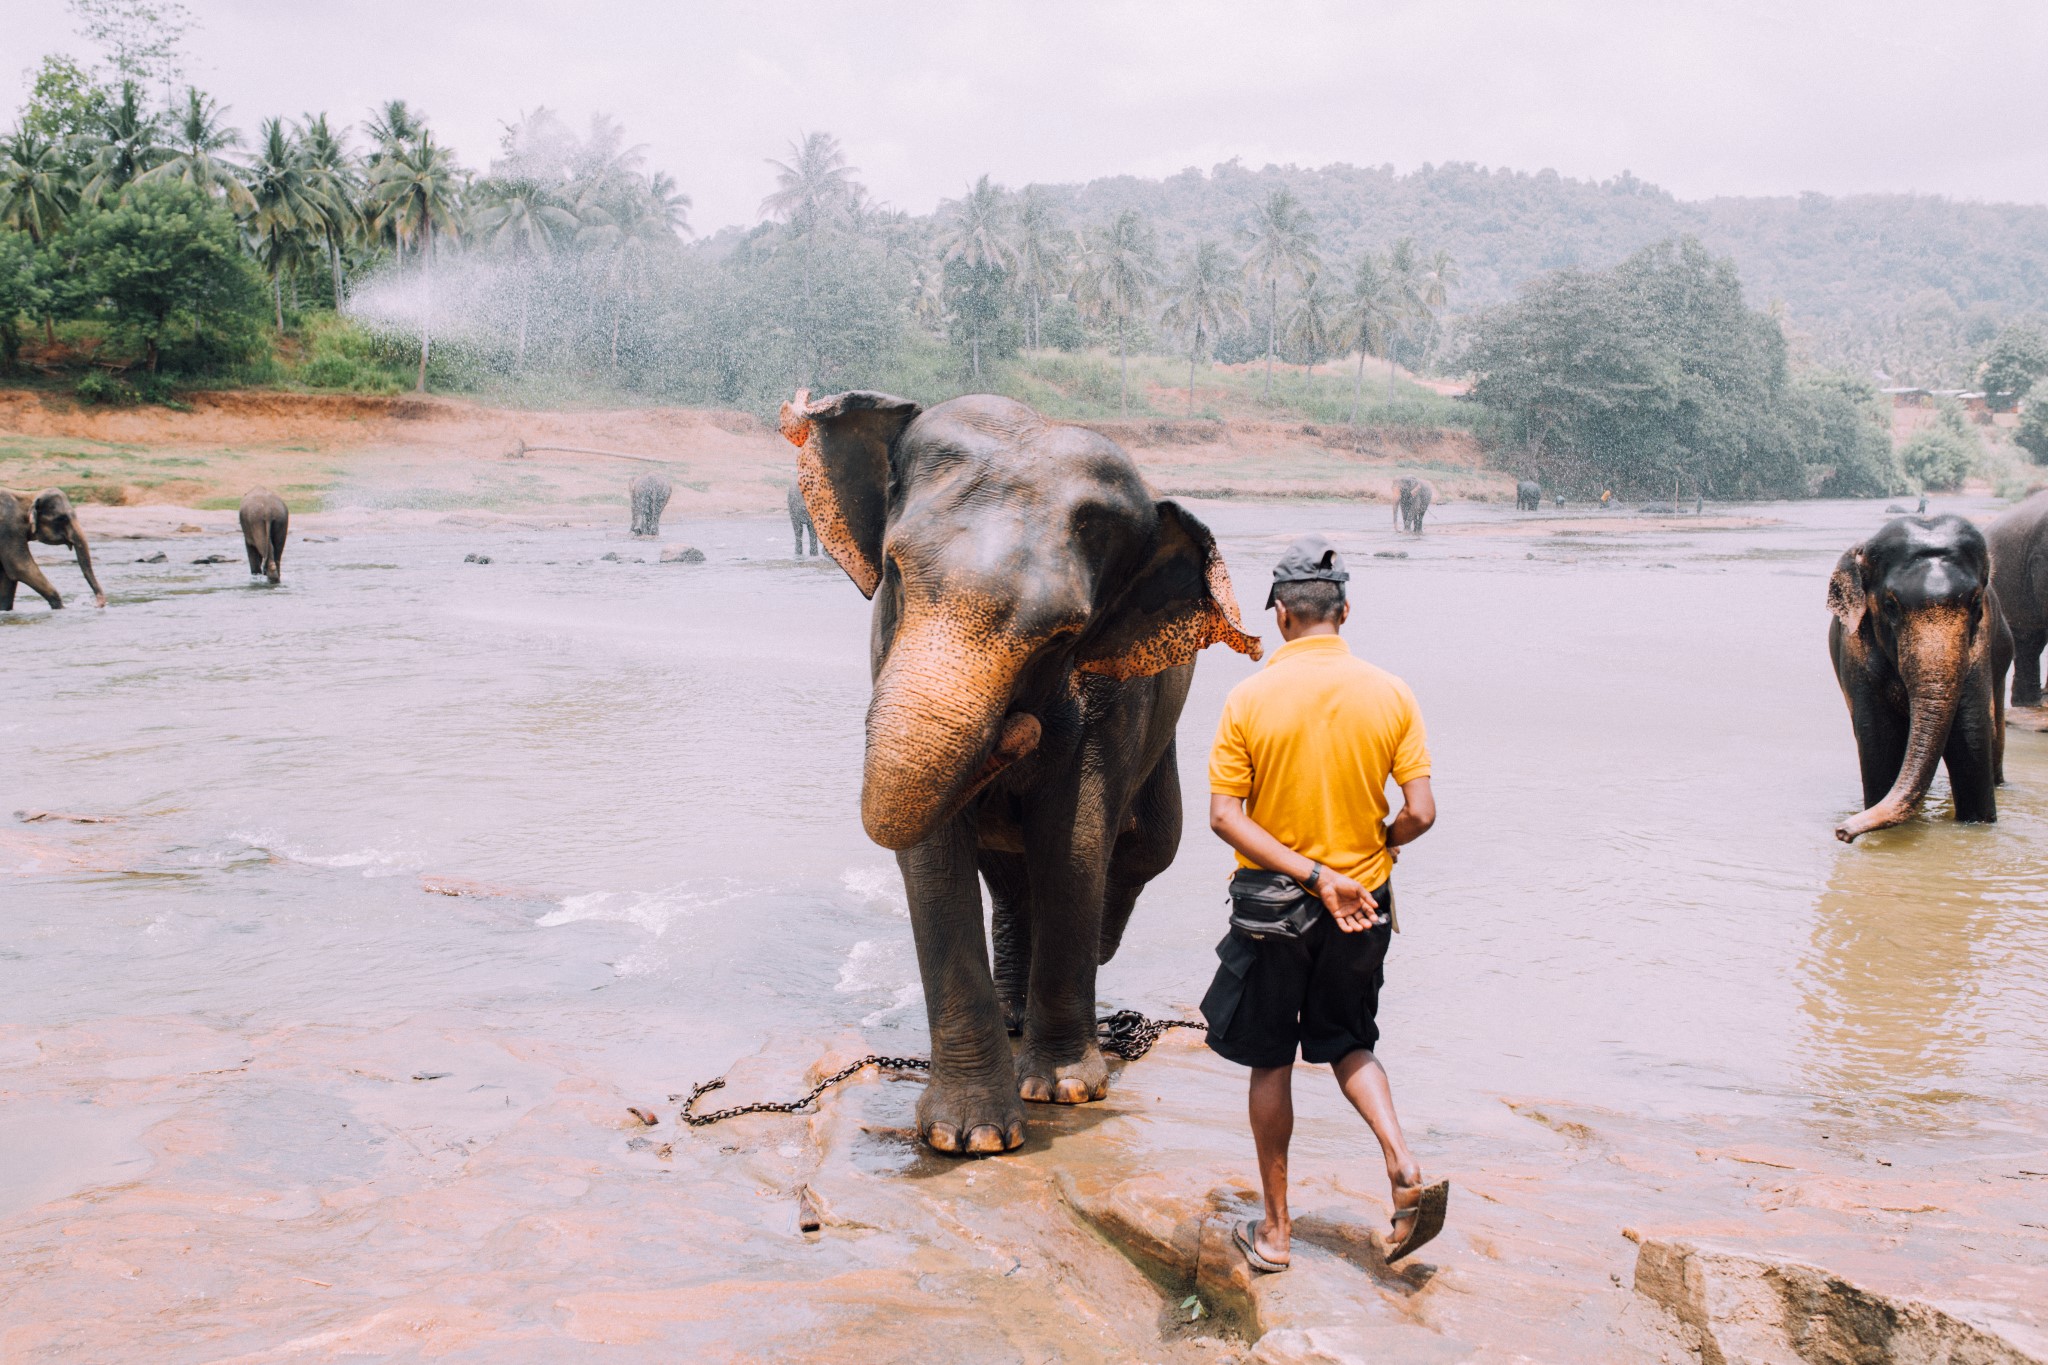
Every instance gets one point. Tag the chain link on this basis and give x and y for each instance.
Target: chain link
(1126, 1034)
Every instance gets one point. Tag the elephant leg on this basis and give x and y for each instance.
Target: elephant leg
(1881, 734)
(6, 591)
(255, 554)
(278, 532)
(970, 1103)
(1972, 754)
(1143, 850)
(23, 569)
(1067, 841)
(1009, 886)
(798, 532)
(2026, 666)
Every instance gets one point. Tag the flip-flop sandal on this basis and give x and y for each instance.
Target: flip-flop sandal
(1246, 1235)
(1428, 1214)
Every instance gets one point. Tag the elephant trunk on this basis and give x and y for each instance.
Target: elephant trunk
(937, 731)
(92, 581)
(1933, 657)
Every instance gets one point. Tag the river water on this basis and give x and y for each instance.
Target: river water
(1632, 898)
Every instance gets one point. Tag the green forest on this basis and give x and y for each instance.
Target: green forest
(1614, 335)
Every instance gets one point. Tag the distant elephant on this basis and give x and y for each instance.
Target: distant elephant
(2019, 579)
(1560, 499)
(1528, 496)
(1412, 498)
(265, 522)
(800, 522)
(1037, 617)
(650, 494)
(1920, 651)
(43, 518)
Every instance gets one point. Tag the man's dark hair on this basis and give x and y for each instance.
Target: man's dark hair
(1311, 602)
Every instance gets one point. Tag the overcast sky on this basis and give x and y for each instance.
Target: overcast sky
(1733, 98)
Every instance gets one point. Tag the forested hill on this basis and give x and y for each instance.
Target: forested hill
(1912, 285)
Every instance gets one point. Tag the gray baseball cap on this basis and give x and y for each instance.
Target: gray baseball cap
(1311, 558)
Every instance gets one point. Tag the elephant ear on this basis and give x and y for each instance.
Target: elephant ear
(1846, 596)
(843, 444)
(1179, 603)
(50, 519)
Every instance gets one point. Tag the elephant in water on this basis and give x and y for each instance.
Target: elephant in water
(1528, 496)
(43, 518)
(1920, 650)
(800, 522)
(1412, 498)
(1037, 617)
(650, 494)
(2019, 580)
(265, 521)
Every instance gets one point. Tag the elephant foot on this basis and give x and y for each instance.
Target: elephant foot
(2026, 717)
(970, 1118)
(1043, 1081)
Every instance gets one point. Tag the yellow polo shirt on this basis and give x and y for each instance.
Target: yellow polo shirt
(1309, 742)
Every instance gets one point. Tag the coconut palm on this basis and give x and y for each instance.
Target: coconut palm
(36, 190)
(394, 126)
(1202, 298)
(285, 216)
(415, 194)
(1371, 312)
(196, 152)
(1119, 271)
(524, 221)
(339, 185)
(1407, 275)
(621, 239)
(1312, 323)
(122, 147)
(1281, 242)
(1041, 254)
(1438, 275)
(814, 192)
(975, 238)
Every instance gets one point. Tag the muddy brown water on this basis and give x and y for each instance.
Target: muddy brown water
(216, 1012)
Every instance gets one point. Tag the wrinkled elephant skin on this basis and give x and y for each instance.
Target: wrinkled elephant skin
(2019, 579)
(1037, 615)
(1920, 651)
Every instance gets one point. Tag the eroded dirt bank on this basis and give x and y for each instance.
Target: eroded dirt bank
(335, 450)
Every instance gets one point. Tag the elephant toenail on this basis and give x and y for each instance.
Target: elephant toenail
(1036, 1089)
(1016, 1138)
(1070, 1091)
(985, 1138)
(945, 1137)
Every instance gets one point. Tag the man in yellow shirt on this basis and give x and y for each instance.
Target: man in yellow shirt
(1297, 783)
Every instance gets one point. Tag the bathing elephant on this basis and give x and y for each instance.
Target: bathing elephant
(1037, 617)
(1412, 498)
(265, 521)
(1921, 650)
(43, 518)
(650, 493)
(1528, 496)
(800, 522)
(2019, 580)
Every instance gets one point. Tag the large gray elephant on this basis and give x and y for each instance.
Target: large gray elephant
(2019, 579)
(44, 518)
(1037, 616)
(1920, 650)
(1412, 498)
(1528, 496)
(265, 523)
(800, 521)
(650, 494)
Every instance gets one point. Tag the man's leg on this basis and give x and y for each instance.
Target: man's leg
(1364, 1082)
(1272, 1106)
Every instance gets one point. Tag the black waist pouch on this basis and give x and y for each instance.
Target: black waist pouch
(1270, 904)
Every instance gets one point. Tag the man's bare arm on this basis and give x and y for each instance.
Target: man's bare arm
(1418, 813)
(1350, 904)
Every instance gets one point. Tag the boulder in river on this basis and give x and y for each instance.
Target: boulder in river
(476, 559)
(211, 559)
(681, 554)
(158, 558)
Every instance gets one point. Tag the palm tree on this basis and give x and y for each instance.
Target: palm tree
(1282, 244)
(1405, 273)
(814, 191)
(1369, 317)
(393, 127)
(195, 152)
(523, 220)
(339, 185)
(975, 238)
(1041, 254)
(1311, 324)
(36, 193)
(1202, 298)
(415, 192)
(621, 238)
(286, 207)
(123, 147)
(1434, 292)
(1118, 274)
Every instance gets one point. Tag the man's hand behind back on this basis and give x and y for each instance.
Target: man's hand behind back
(1350, 904)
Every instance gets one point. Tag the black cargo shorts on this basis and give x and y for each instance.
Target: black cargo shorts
(1319, 992)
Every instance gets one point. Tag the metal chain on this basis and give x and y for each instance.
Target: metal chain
(1126, 1034)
